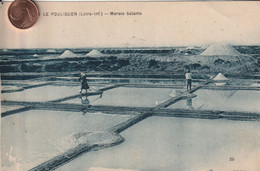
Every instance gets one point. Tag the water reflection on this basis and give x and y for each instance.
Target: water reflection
(85, 102)
(189, 103)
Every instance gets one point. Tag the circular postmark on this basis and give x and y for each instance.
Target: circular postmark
(23, 14)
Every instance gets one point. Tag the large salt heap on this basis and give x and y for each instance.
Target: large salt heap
(222, 57)
(95, 53)
(220, 49)
(68, 54)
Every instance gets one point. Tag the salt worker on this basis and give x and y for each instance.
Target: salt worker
(84, 84)
(188, 77)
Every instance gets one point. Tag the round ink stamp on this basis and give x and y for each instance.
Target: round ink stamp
(23, 14)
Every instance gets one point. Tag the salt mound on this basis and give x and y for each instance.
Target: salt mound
(35, 55)
(67, 54)
(175, 93)
(94, 53)
(220, 49)
(190, 47)
(5, 50)
(255, 85)
(51, 51)
(220, 77)
(204, 46)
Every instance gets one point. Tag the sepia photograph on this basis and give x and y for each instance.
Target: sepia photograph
(130, 86)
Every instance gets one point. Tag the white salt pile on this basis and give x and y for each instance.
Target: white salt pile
(175, 93)
(190, 47)
(5, 50)
(204, 46)
(255, 85)
(94, 53)
(220, 77)
(159, 102)
(35, 55)
(68, 54)
(220, 49)
(51, 51)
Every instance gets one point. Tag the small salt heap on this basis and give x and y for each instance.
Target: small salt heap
(68, 54)
(175, 93)
(51, 51)
(220, 80)
(220, 77)
(94, 53)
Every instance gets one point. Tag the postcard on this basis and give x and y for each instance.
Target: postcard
(130, 86)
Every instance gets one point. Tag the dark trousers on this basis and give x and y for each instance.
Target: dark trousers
(188, 84)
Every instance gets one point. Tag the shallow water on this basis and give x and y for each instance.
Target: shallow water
(10, 87)
(42, 94)
(32, 137)
(160, 143)
(124, 96)
(35, 136)
(226, 100)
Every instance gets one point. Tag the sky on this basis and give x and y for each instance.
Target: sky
(161, 24)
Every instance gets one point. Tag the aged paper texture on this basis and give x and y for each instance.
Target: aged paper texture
(132, 86)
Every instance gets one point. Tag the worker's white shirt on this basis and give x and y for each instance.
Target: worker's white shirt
(188, 76)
